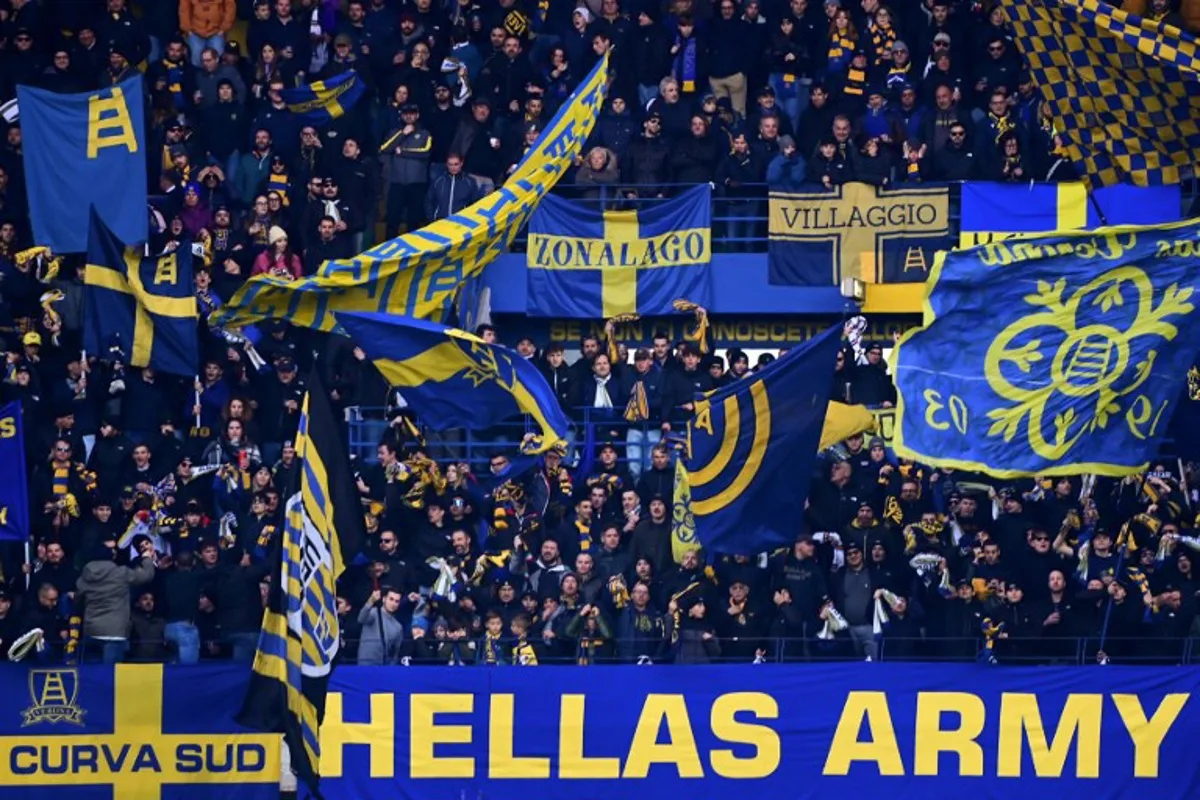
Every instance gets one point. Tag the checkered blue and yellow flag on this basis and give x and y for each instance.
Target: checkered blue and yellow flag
(1124, 90)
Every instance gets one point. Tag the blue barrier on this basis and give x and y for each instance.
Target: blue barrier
(771, 732)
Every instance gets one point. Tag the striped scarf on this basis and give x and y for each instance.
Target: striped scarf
(523, 654)
(61, 484)
(491, 649)
(856, 82)
(840, 50)
(881, 40)
(585, 536)
(279, 183)
(638, 407)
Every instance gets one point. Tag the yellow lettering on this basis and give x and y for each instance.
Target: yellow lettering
(166, 270)
(572, 763)
(932, 739)
(680, 748)
(881, 747)
(1020, 720)
(8, 427)
(1139, 413)
(703, 420)
(934, 399)
(501, 761)
(958, 413)
(109, 124)
(763, 738)
(379, 734)
(425, 734)
(1148, 734)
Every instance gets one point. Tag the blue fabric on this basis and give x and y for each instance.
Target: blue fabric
(72, 164)
(1057, 355)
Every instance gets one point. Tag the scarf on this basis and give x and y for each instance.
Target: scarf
(280, 184)
(638, 407)
(587, 649)
(602, 400)
(840, 50)
(685, 64)
(990, 631)
(1001, 125)
(61, 481)
(523, 654)
(491, 649)
(331, 210)
(881, 39)
(856, 82)
(584, 532)
(913, 169)
(885, 600)
(174, 77)
(685, 306)
(834, 622)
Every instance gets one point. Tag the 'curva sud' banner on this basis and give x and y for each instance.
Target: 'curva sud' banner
(768, 732)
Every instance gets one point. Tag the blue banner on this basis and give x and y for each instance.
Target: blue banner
(144, 306)
(133, 732)
(995, 211)
(84, 150)
(821, 236)
(771, 732)
(1060, 355)
(590, 263)
(14, 491)
(320, 102)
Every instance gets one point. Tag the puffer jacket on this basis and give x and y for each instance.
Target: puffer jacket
(206, 18)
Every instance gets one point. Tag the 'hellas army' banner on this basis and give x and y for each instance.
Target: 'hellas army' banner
(856, 230)
(624, 733)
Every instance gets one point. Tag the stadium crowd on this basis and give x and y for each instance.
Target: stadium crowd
(566, 562)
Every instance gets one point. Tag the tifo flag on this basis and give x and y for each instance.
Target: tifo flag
(588, 262)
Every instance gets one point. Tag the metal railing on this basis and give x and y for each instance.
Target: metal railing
(564, 651)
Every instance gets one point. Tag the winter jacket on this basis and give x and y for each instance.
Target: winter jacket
(206, 18)
(605, 176)
(646, 162)
(372, 650)
(408, 157)
(103, 588)
(449, 194)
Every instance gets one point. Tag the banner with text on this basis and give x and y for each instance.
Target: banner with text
(623, 733)
(131, 732)
(856, 230)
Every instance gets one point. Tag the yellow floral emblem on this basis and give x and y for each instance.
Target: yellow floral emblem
(1097, 359)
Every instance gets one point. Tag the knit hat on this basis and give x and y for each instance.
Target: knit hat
(275, 234)
(585, 13)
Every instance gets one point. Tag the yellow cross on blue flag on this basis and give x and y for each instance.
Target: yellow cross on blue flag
(1059, 355)
(453, 379)
(752, 445)
(144, 305)
(419, 274)
(324, 101)
(1124, 90)
(588, 262)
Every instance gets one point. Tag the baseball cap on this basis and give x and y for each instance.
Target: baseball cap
(33, 337)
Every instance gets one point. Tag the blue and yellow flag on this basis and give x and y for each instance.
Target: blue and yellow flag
(1124, 90)
(300, 637)
(85, 150)
(822, 236)
(453, 379)
(14, 491)
(1060, 355)
(418, 274)
(324, 101)
(995, 211)
(587, 262)
(752, 446)
(147, 306)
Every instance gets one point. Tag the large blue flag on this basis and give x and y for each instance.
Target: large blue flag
(453, 379)
(14, 489)
(146, 306)
(995, 211)
(587, 262)
(753, 443)
(1059, 355)
(320, 102)
(84, 150)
